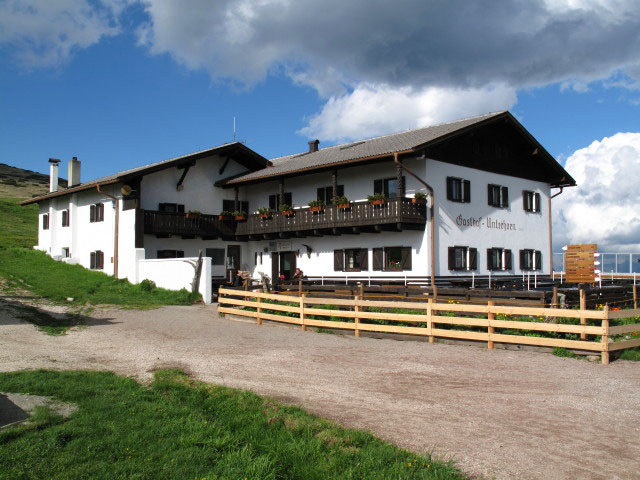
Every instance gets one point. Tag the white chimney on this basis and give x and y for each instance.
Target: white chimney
(53, 174)
(74, 172)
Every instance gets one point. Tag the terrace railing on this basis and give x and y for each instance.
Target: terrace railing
(171, 223)
(400, 211)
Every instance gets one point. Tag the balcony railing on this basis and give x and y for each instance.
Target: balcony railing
(395, 213)
(187, 225)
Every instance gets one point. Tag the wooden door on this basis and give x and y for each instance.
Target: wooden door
(275, 268)
(233, 261)
(287, 264)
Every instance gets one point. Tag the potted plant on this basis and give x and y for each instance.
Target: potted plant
(419, 198)
(286, 210)
(193, 214)
(225, 215)
(316, 205)
(377, 199)
(240, 215)
(265, 212)
(341, 202)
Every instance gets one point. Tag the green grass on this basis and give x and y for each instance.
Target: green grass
(181, 429)
(18, 225)
(57, 281)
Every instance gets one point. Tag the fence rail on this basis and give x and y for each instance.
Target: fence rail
(259, 305)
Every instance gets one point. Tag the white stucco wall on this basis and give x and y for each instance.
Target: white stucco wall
(177, 273)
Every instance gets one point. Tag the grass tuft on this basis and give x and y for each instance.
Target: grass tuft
(181, 428)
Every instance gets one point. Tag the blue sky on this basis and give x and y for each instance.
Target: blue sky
(122, 83)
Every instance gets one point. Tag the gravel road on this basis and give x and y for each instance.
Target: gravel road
(499, 414)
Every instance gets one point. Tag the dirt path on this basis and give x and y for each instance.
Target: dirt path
(499, 414)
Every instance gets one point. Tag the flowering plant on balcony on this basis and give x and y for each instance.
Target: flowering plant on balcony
(225, 215)
(377, 198)
(265, 212)
(193, 213)
(240, 215)
(286, 210)
(316, 205)
(419, 197)
(341, 202)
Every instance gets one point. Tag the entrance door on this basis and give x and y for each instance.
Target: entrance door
(233, 261)
(275, 268)
(287, 264)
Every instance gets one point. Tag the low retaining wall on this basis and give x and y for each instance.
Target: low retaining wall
(177, 273)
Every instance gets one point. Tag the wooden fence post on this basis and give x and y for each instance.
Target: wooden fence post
(490, 329)
(635, 296)
(430, 320)
(259, 318)
(583, 306)
(304, 327)
(357, 319)
(555, 298)
(605, 336)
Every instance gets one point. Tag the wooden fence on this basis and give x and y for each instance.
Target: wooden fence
(260, 305)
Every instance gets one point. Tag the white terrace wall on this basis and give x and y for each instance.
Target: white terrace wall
(177, 273)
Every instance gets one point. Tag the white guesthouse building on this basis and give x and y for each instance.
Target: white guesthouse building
(487, 181)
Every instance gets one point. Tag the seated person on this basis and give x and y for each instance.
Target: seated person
(298, 275)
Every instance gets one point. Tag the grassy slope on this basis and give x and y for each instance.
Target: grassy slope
(182, 429)
(18, 225)
(57, 281)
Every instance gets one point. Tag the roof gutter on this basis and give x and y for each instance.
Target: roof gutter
(115, 229)
(432, 222)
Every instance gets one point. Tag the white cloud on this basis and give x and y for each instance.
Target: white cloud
(45, 33)
(372, 110)
(605, 207)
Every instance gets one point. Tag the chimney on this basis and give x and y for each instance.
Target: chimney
(53, 174)
(74, 172)
(313, 145)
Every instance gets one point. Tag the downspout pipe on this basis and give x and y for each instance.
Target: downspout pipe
(432, 222)
(115, 229)
(551, 230)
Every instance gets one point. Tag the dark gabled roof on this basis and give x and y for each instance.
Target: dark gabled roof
(381, 147)
(240, 152)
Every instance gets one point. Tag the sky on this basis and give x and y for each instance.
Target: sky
(123, 83)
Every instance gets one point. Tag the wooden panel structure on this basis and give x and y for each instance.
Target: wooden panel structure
(579, 263)
(353, 314)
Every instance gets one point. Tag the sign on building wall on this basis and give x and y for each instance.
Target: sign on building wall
(580, 262)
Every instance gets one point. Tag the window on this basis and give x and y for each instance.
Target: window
(66, 253)
(170, 254)
(530, 259)
(274, 200)
(531, 201)
(498, 259)
(45, 221)
(230, 206)
(388, 186)
(65, 218)
(96, 261)
(96, 213)
(392, 258)
(216, 254)
(458, 190)
(463, 258)
(498, 196)
(171, 207)
(325, 194)
(351, 260)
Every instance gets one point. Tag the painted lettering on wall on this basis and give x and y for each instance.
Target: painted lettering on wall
(490, 223)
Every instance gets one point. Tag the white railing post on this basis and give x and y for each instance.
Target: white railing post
(535, 279)
(322, 280)
(528, 280)
(489, 280)
(473, 279)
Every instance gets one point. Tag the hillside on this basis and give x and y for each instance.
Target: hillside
(19, 183)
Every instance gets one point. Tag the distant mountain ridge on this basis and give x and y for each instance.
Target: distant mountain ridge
(19, 183)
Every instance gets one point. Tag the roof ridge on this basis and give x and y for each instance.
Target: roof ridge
(489, 114)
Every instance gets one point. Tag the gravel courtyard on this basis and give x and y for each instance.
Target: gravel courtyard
(498, 414)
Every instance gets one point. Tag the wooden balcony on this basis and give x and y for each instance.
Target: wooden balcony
(188, 226)
(396, 214)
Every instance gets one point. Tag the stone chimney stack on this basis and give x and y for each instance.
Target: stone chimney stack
(74, 172)
(313, 146)
(53, 174)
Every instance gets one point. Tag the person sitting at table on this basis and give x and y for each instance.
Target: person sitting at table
(298, 275)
